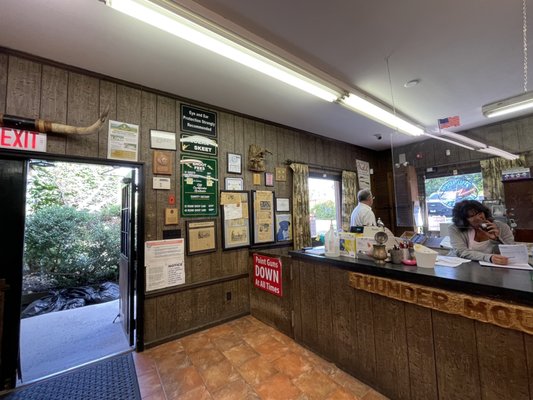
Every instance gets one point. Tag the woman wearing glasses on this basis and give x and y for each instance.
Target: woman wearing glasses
(475, 235)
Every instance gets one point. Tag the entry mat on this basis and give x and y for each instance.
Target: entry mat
(111, 379)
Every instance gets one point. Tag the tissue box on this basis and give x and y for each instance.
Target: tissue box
(347, 244)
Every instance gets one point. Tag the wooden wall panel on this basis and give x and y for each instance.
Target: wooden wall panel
(3, 82)
(366, 348)
(392, 363)
(83, 100)
(505, 376)
(108, 100)
(323, 310)
(528, 344)
(54, 104)
(456, 357)
(150, 320)
(419, 331)
(148, 121)
(23, 88)
(308, 307)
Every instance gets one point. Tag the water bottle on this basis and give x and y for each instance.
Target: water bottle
(331, 242)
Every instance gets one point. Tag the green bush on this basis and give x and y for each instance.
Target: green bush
(324, 210)
(73, 247)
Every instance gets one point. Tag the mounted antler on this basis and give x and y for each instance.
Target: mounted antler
(39, 125)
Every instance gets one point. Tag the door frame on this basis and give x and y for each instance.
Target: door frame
(8, 361)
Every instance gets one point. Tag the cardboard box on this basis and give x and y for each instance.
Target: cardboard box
(347, 244)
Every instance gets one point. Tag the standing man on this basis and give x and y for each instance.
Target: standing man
(362, 214)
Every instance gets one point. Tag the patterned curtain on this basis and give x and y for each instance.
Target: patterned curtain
(349, 197)
(300, 206)
(492, 175)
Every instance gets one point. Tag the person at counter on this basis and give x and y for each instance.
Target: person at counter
(363, 215)
(475, 235)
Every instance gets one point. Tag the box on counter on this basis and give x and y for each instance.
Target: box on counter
(347, 244)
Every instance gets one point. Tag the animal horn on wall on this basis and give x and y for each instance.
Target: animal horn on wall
(39, 125)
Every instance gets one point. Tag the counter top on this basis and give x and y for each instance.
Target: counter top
(472, 278)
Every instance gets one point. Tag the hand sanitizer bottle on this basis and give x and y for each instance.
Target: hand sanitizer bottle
(331, 242)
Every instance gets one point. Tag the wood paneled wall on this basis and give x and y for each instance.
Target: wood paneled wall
(35, 89)
(403, 350)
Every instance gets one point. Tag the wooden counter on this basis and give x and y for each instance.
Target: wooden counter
(408, 350)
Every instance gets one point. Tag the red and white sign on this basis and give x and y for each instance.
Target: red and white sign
(267, 274)
(18, 139)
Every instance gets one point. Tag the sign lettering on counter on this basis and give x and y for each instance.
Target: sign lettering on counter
(267, 274)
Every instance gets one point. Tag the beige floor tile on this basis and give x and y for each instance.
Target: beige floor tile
(315, 384)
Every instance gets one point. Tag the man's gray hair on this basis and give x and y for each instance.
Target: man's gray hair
(363, 195)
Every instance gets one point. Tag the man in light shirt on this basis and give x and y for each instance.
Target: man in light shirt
(363, 215)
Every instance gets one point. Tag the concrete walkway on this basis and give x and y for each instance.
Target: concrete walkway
(57, 341)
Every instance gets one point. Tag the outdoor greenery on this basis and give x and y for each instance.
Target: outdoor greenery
(72, 226)
(324, 210)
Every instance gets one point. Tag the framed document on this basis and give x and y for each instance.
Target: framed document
(234, 163)
(201, 236)
(263, 216)
(233, 184)
(162, 140)
(269, 179)
(281, 174)
(283, 204)
(235, 219)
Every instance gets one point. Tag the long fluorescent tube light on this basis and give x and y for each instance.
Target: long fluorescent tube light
(449, 141)
(463, 139)
(499, 152)
(183, 28)
(372, 111)
(509, 105)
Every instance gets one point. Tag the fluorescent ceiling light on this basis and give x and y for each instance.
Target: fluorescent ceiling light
(509, 105)
(183, 28)
(463, 139)
(379, 114)
(449, 141)
(498, 152)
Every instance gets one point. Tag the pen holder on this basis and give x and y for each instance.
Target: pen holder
(396, 256)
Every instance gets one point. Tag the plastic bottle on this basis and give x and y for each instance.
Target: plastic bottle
(331, 242)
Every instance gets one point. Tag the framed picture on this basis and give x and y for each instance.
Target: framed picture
(281, 174)
(256, 178)
(162, 140)
(283, 227)
(162, 163)
(269, 179)
(283, 204)
(233, 184)
(235, 219)
(234, 163)
(263, 216)
(201, 236)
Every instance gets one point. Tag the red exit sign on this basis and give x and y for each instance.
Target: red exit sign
(18, 139)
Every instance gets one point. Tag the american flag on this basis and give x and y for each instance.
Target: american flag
(449, 122)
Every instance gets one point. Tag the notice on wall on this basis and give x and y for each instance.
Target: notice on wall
(363, 174)
(123, 141)
(199, 187)
(165, 263)
(267, 274)
(196, 120)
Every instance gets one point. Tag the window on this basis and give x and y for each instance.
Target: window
(324, 205)
(442, 194)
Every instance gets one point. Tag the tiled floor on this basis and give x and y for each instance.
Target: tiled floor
(242, 359)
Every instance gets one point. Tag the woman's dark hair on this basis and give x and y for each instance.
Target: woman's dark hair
(463, 209)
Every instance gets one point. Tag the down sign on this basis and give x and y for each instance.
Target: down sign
(267, 274)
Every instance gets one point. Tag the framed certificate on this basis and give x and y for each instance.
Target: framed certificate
(233, 184)
(201, 236)
(234, 163)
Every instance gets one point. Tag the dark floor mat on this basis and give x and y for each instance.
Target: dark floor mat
(111, 379)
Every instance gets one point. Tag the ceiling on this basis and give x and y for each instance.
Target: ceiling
(465, 54)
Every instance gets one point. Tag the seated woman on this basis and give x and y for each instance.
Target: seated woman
(475, 235)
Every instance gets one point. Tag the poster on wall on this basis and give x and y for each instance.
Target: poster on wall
(123, 141)
(263, 216)
(267, 274)
(363, 174)
(196, 120)
(235, 220)
(164, 263)
(199, 187)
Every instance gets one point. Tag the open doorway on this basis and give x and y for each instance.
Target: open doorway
(76, 291)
